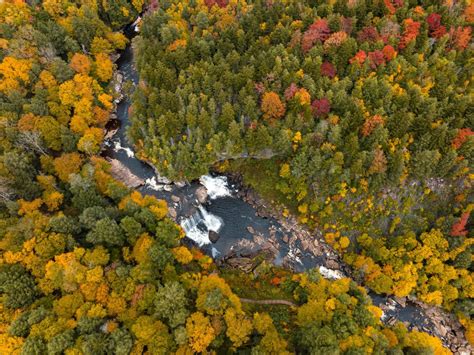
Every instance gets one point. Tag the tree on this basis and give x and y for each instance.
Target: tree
(80, 63)
(103, 67)
(106, 231)
(15, 74)
(328, 69)
(132, 228)
(434, 25)
(272, 107)
(17, 285)
(121, 342)
(59, 343)
(318, 340)
(215, 296)
(460, 37)
(318, 32)
(170, 304)
(410, 33)
(271, 342)
(67, 164)
(459, 229)
(33, 345)
(238, 327)
(200, 332)
(321, 107)
(91, 215)
(91, 140)
(152, 334)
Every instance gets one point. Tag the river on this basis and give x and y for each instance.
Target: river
(239, 226)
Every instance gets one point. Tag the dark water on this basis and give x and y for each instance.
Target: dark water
(235, 214)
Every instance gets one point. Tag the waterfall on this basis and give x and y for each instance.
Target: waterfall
(153, 184)
(197, 226)
(216, 186)
(330, 274)
(118, 147)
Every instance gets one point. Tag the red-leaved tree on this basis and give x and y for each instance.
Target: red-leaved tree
(459, 229)
(327, 69)
(461, 137)
(359, 58)
(434, 25)
(321, 107)
(318, 31)
(412, 29)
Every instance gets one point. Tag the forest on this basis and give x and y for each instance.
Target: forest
(355, 116)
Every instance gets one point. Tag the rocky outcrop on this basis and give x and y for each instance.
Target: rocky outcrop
(447, 327)
(246, 262)
(172, 213)
(117, 86)
(123, 174)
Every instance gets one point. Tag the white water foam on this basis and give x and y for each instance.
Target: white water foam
(136, 24)
(216, 186)
(215, 253)
(330, 274)
(197, 226)
(292, 255)
(153, 184)
(119, 147)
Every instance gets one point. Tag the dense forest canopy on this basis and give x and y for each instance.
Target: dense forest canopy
(368, 89)
(341, 99)
(355, 115)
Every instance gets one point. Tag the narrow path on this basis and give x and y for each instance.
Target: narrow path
(282, 302)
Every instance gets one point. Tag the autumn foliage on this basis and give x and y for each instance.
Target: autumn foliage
(272, 106)
(357, 112)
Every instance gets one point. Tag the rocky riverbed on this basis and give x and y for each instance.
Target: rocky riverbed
(301, 242)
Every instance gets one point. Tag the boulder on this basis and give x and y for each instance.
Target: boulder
(441, 329)
(213, 236)
(305, 244)
(180, 184)
(201, 194)
(172, 213)
(285, 239)
(333, 264)
(251, 230)
(402, 301)
(244, 264)
(175, 198)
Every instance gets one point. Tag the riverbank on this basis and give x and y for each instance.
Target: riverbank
(438, 322)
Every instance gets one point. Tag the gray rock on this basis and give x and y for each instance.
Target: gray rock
(251, 230)
(441, 329)
(333, 264)
(213, 236)
(305, 244)
(172, 212)
(201, 194)
(402, 301)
